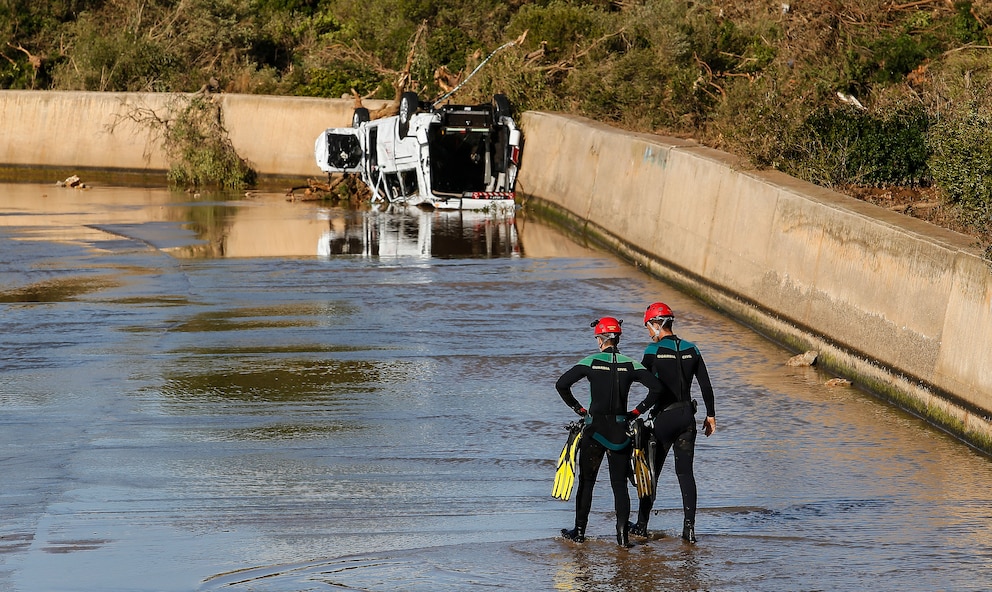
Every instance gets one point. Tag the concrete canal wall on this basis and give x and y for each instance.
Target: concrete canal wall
(79, 130)
(902, 307)
(896, 304)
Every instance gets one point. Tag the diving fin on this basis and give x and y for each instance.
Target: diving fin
(641, 463)
(642, 474)
(652, 453)
(565, 476)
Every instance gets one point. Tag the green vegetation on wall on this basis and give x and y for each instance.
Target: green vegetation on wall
(200, 153)
(199, 150)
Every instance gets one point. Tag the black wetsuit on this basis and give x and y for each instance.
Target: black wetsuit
(674, 419)
(610, 377)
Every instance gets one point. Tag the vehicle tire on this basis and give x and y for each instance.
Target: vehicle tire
(409, 104)
(360, 116)
(501, 104)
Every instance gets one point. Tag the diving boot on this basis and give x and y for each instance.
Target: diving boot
(689, 532)
(576, 535)
(622, 539)
(640, 529)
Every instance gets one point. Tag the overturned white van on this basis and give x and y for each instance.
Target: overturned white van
(448, 157)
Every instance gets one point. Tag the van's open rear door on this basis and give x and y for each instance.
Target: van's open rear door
(339, 150)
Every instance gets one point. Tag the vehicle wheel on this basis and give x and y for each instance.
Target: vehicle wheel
(409, 103)
(360, 116)
(502, 106)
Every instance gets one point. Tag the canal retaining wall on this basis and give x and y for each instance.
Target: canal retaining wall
(900, 306)
(91, 130)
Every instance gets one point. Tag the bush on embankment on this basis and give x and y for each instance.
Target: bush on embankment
(865, 93)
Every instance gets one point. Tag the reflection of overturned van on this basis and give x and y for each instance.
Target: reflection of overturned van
(449, 157)
(392, 232)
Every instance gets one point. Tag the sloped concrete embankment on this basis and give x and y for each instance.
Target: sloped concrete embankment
(898, 305)
(90, 130)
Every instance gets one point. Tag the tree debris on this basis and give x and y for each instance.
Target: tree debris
(317, 190)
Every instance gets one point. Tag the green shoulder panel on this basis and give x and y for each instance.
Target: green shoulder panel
(588, 360)
(601, 357)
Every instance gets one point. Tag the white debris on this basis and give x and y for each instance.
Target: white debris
(850, 100)
(806, 359)
(72, 181)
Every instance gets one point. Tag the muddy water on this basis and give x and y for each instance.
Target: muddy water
(253, 394)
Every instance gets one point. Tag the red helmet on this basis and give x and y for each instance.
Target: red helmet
(608, 327)
(658, 312)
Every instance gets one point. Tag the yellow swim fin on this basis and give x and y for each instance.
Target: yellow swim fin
(643, 478)
(565, 475)
(641, 461)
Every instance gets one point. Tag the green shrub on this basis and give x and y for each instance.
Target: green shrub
(304, 7)
(415, 10)
(841, 146)
(199, 150)
(897, 56)
(111, 59)
(563, 27)
(338, 80)
(30, 25)
(964, 27)
(449, 46)
(526, 88)
(877, 55)
(758, 121)
(622, 89)
(961, 164)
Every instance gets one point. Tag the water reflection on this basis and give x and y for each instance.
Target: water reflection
(395, 232)
(269, 227)
(237, 226)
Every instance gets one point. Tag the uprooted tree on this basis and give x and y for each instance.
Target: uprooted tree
(196, 143)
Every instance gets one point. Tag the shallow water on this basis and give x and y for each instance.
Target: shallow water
(257, 394)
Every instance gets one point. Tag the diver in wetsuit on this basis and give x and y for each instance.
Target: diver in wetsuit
(610, 376)
(675, 362)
